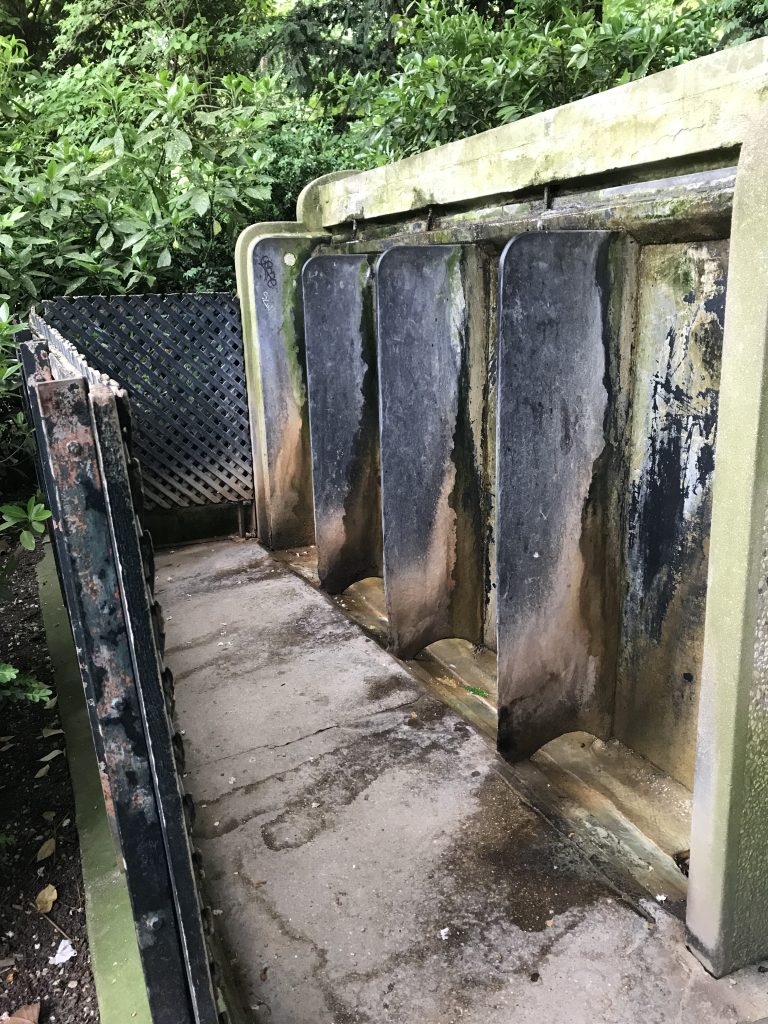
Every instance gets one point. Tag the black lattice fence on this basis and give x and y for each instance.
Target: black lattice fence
(181, 359)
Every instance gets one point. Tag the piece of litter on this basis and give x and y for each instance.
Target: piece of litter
(218, 913)
(65, 952)
(444, 933)
(661, 898)
(315, 803)
(232, 780)
(550, 922)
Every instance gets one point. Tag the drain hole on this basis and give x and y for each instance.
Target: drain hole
(681, 859)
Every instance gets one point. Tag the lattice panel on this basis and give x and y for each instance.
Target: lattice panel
(181, 359)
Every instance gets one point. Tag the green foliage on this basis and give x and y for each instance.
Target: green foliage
(121, 177)
(16, 445)
(743, 19)
(316, 38)
(17, 686)
(25, 520)
(460, 73)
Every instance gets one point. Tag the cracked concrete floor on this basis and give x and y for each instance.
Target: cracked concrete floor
(366, 861)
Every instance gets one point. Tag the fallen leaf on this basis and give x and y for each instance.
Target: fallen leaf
(550, 922)
(65, 952)
(46, 897)
(50, 704)
(49, 815)
(29, 1014)
(43, 771)
(5, 746)
(4, 739)
(53, 753)
(46, 850)
(52, 732)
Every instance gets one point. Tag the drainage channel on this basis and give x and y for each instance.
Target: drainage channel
(624, 813)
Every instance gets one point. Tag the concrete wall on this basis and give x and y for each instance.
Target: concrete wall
(548, 424)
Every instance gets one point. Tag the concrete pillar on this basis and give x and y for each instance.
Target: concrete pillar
(728, 896)
(245, 291)
(277, 389)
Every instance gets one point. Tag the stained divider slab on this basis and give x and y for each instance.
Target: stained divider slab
(430, 484)
(553, 401)
(343, 412)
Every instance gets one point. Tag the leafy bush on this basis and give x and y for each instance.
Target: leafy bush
(16, 444)
(743, 19)
(118, 177)
(460, 73)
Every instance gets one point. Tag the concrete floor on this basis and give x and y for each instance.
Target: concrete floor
(366, 859)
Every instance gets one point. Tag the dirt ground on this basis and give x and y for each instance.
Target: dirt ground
(33, 812)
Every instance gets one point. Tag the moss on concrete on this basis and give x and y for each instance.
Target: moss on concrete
(111, 935)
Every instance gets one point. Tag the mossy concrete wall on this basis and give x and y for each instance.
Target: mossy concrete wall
(655, 162)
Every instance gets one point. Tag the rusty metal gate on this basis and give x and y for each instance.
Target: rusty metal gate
(83, 427)
(181, 358)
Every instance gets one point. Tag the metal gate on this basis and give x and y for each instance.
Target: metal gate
(82, 423)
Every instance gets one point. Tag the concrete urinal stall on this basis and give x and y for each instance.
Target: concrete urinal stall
(507, 402)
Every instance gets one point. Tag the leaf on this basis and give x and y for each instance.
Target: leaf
(164, 259)
(199, 201)
(27, 540)
(52, 732)
(14, 512)
(43, 771)
(53, 753)
(49, 815)
(46, 850)
(46, 897)
(118, 143)
(178, 144)
(29, 1014)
